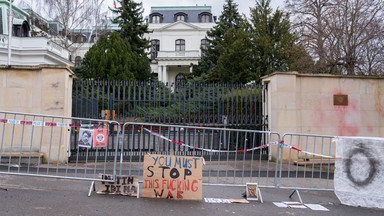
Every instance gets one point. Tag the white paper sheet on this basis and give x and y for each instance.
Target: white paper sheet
(316, 207)
(281, 205)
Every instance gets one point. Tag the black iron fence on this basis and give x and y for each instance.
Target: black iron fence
(235, 106)
(205, 104)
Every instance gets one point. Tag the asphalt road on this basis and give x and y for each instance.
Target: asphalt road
(20, 195)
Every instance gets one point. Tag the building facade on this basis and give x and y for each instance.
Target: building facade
(177, 35)
(27, 50)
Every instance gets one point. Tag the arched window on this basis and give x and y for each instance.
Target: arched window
(156, 19)
(155, 48)
(181, 17)
(179, 82)
(180, 45)
(77, 61)
(93, 39)
(205, 17)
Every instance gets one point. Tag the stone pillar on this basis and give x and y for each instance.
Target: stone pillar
(165, 75)
(160, 72)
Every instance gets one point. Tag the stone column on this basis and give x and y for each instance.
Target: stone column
(160, 72)
(165, 75)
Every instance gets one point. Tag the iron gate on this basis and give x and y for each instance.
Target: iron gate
(234, 106)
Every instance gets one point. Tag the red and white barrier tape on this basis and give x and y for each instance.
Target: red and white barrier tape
(46, 124)
(244, 150)
(283, 144)
(209, 150)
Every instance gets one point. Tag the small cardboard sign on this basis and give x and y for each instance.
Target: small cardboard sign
(252, 191)
(100, 138)
(172, 177)
(123, 185)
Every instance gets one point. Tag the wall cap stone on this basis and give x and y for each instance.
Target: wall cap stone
(295, 73)
(36, 67)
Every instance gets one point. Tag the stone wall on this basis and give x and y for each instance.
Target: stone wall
(325, 104)
(43, 90)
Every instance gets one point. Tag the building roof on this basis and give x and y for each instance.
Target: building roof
(31, 12)
(192, 12)
(15, 8)
(182, 8)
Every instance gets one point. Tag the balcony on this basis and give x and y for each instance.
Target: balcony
(33, 51)
(181, 55)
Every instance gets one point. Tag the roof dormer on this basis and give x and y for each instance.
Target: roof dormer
(155, 18)
(205, 17)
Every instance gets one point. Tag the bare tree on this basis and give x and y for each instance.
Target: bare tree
(98, 15)
(342, 35)
(71, 14)
(373, 53)
(310, 19)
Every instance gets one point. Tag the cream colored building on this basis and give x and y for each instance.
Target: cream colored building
(178, 33)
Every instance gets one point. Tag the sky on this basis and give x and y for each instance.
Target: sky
(217, 5)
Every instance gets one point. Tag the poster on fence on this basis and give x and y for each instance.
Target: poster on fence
(100, 138)
(123, 185)
(85, 138)
(172, 177)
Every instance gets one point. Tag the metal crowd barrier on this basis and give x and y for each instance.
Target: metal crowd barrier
(39, 145)
(306, 162)
(232, 156)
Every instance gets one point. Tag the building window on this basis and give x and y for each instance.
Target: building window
(205, 17)
(1, 21)
(155, 48)
(204, 44)
(77, 61)
(181, 17)
(155, 18)
(179, 82)
(180, 45)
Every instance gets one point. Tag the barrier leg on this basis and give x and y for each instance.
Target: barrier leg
(92, 187)
(259, 194)
(138, 191)
(298, 194)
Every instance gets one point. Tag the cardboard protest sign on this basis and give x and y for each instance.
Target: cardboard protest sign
(124, 185)
(172, 177)
(100, 138)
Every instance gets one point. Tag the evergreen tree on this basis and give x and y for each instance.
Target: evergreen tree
(130, 20)
(113, 59)
(234, 63)
(230, 18)
(271, 38)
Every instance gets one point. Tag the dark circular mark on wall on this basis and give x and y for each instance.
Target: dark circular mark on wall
(372, 169)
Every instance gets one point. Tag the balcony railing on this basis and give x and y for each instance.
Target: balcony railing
(34, 44)
(179, 54)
